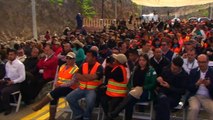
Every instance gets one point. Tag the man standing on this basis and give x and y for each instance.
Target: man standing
(89, 76)
(172, 85)
(15, 74)
(201, 88)
(79, 20)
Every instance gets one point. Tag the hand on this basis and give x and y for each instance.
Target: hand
(200, 81)
(42, 55)
(165, 84)
(160, 80)
(56, 85)
(209, 53)
(41, 71)
(10, 82)
(2, 81)
(206, 82)
(184, 55)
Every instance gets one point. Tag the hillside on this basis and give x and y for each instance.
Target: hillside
(183, 12)
(16, 18)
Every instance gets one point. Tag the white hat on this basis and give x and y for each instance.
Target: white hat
(121, 58)
(78, 43)
(71, 55)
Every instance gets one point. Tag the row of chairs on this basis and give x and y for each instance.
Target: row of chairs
(100, 114)
(147, 115)
(17, 97)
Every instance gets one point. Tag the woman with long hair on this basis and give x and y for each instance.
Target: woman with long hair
(143, 76)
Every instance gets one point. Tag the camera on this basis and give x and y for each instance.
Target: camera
(109, 59)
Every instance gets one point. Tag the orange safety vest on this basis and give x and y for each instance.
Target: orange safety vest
(176, 50)
(89, 85)
(117, 89)
(183, 40)
(65, 75)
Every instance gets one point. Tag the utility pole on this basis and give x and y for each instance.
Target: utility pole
(116, 9)
(102, 10)
(210, 10)
(35, 35)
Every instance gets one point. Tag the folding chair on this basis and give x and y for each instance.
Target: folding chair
(122, 114)
(66, 109)
(139, 115)
(16, 102)
(180, 106)
(96, 110)
(143, 115)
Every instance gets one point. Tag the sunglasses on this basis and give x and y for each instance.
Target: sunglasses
(69, 58)
(163, 44)
(202, 61)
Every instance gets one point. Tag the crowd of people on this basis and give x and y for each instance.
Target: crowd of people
(115, 68)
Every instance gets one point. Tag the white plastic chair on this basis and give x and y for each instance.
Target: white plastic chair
(16, 103)
(66, 109)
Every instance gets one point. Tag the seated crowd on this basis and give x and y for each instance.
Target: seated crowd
(114, 69)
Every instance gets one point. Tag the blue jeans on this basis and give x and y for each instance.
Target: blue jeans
(77, 94)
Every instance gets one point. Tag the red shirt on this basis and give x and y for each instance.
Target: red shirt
(57, 50)
(49, 66)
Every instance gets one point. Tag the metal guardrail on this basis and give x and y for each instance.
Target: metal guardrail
(98, 23)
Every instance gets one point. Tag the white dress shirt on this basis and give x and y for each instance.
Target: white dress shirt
(15, 71)
(188, 66)
(22, 58)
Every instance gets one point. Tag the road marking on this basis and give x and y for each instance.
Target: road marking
(43, 113)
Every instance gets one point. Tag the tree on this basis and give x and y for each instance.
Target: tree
(86, 8)
(60, 2)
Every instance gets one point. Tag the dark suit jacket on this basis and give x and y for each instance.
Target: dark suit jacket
(195, 76)
(2, 71)
(177, 83)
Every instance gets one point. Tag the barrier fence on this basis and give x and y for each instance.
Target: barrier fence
(98, 23)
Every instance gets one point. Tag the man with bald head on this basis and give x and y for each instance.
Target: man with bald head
(201, 88)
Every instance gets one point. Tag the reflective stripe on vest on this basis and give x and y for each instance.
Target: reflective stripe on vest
(117, 89)
(65, 75)
(90, 85)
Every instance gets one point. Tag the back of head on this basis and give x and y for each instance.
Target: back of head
(93, 52)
